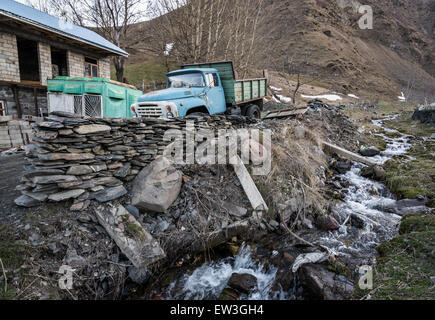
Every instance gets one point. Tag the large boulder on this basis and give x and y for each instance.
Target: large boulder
(342, 166)
(375, 172)
(327, 223)
(370, 152)
(243, 283)
(157, 186)
(321, 284)
(425, 114)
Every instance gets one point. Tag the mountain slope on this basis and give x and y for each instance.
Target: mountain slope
(397, 55)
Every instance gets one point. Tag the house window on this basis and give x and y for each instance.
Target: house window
(91, 68)
(28, 60)
(59, 62)
(2, 108)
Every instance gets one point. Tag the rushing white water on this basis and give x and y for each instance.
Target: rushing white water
(395, 146)
(366, 202)
(208, 281)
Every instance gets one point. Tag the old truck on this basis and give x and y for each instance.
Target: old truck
(203, 89)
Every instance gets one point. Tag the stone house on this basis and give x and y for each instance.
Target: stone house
(34, 47)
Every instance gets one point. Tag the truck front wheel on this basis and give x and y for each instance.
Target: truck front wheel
(253, 112)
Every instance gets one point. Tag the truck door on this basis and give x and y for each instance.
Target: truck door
(215, 94)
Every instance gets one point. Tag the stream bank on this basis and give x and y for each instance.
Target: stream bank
(368, 215)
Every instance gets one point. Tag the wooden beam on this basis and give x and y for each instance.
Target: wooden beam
(25, 84)
(35, 96)
(346, 154)
(251, 190)
(17, 101)
(285, 113)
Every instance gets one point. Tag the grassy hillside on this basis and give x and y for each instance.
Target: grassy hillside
(149, 71)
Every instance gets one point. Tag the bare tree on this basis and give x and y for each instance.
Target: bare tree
(244, 19)
(297, 68)
(208, 30)
(112, 19)
(41, 5)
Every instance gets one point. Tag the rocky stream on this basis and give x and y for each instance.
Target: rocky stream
(368, 215)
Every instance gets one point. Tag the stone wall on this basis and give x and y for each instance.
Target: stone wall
(90, 159)
(9, 67)
(76, 64)
(26, 97)
(15, 133)
(45, 69)
(104, 66)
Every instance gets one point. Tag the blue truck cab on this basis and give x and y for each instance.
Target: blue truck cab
(209, 89)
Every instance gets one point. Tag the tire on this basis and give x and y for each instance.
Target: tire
(253, 112)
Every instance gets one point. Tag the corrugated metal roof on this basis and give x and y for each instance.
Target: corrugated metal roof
(43, 20)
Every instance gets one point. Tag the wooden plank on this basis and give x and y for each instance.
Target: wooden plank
(35, 97)
(251, 190)
(285, 113)
(346, 154)
(219, 237)
(17, 102)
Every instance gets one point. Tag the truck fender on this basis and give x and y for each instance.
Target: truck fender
(191, 103)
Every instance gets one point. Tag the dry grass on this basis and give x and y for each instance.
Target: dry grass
(296, 166)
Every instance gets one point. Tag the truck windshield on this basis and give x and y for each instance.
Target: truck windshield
(186, 80)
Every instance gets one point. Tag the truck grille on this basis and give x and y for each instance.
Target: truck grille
(149, 111)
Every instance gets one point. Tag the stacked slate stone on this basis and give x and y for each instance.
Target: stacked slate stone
(86, 159)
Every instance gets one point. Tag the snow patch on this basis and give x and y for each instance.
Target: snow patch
(330, 97)
(353, 96)
(402, 97)
(275, 89)
(284, 99)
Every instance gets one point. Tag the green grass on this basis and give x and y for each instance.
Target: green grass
(12, 256)
(134, 231)
(405, 264)
(417, 223)
(408, 179)
(406, 125)
(417, 177)
(149, 71)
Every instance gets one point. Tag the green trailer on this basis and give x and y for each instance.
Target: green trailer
(94, 97)
(237, 92)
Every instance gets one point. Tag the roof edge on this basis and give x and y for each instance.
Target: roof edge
(39, 25)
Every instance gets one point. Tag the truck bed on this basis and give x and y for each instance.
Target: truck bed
(237, 92)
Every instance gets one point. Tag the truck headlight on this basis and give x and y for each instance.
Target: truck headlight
(133, 109)
(169, 115)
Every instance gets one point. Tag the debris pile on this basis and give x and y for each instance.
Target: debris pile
(317, 104)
